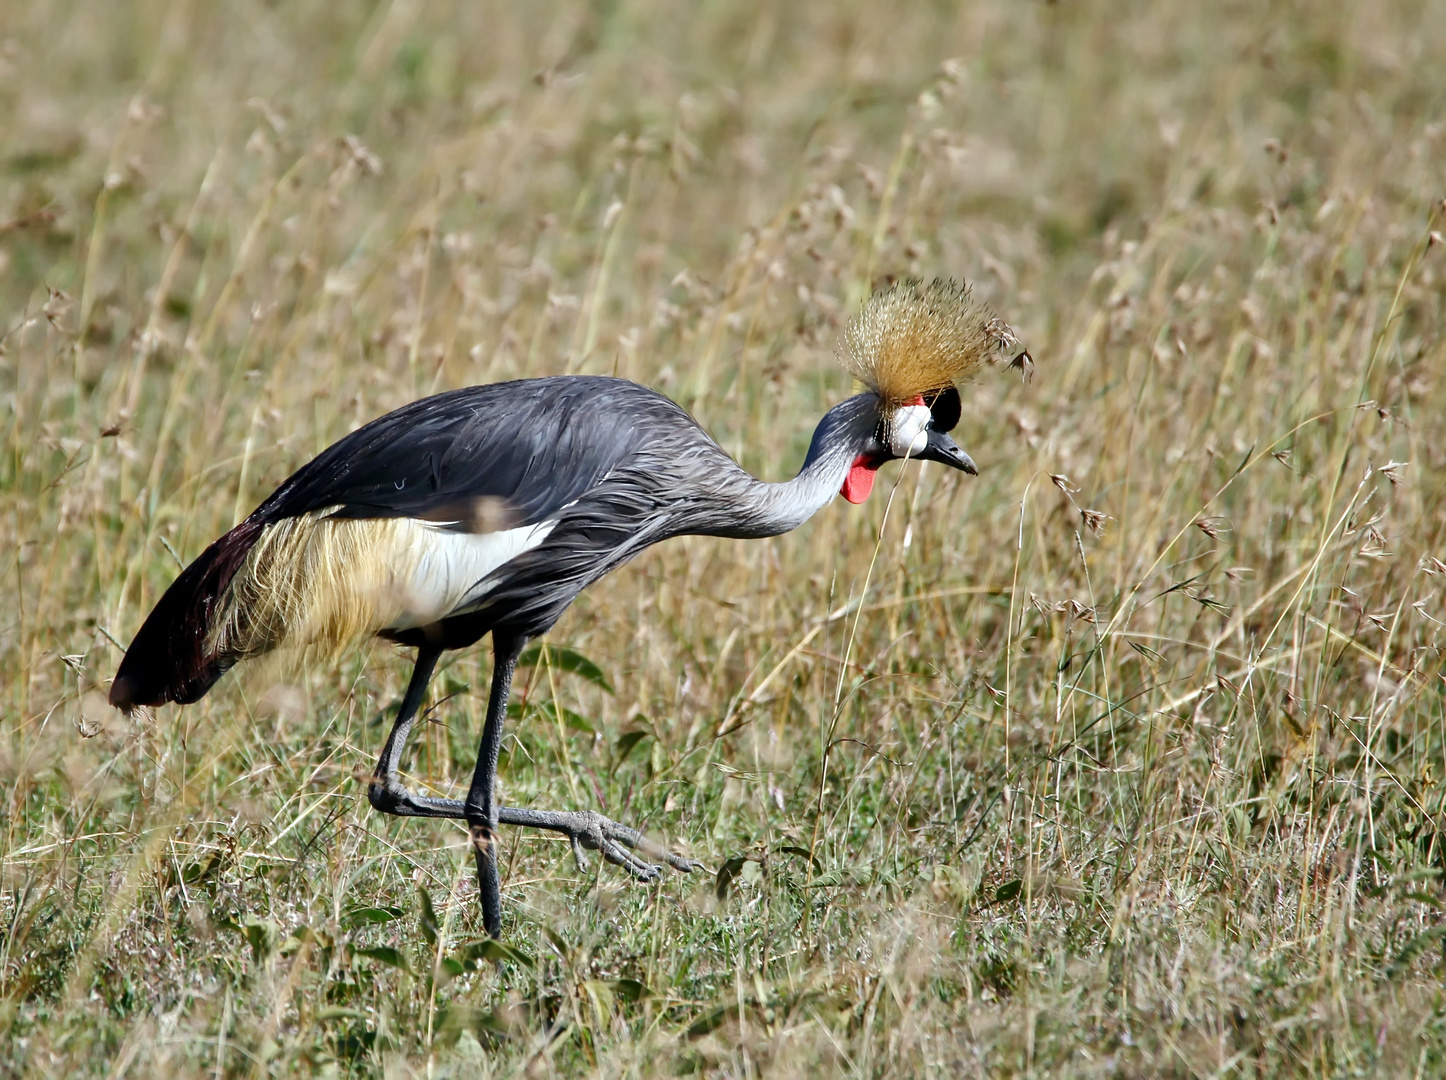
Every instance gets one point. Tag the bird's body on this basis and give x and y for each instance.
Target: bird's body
(484, 510)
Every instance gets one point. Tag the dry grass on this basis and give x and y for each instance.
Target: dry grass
(1125, 758)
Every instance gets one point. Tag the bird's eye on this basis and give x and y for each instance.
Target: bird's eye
(945, 407)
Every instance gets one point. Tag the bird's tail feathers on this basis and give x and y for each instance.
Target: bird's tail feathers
(314, 585)
(306, 583)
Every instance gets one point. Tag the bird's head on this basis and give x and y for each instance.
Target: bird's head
(917, 430)
(912, 346)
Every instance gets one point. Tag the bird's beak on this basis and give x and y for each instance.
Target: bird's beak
(946, 451)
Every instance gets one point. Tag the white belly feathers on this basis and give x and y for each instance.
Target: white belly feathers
(440, 572)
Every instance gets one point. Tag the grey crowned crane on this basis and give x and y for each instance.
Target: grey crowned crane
(491, 508)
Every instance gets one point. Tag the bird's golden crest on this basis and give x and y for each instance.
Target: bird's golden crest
(916, 337)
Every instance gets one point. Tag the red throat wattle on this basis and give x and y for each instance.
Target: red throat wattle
(860, 480)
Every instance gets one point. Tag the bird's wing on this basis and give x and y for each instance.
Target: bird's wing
(402, 523)
(481, 459)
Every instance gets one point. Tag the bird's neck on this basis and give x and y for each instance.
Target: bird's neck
(838, 440)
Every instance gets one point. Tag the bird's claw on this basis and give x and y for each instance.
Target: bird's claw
(588, 830)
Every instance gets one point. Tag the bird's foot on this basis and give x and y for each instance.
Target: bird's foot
(589, 830)
(586, 830)
(387, 794)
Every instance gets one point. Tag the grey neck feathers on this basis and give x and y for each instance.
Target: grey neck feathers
(764, 509)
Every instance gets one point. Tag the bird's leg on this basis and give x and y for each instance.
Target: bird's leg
(481, 807)
(386, 791)
(585, 829)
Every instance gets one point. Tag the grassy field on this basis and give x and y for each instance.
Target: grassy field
(1125, 758)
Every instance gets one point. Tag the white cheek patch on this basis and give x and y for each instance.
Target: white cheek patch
(909, 430)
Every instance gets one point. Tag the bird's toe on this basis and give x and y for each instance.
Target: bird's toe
(621, 856)
(647, 872)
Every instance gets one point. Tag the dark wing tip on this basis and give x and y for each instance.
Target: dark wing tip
(168, 659)
(138, 684)
(123, 694)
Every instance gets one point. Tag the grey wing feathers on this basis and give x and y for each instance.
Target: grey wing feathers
(537, 445)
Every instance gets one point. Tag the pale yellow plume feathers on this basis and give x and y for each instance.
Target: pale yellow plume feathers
(915, 338)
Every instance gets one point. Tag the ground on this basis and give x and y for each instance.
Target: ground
(1123, 759)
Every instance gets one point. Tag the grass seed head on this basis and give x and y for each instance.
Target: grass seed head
(915, 338)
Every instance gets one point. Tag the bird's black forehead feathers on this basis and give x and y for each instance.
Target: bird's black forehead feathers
(946, 408)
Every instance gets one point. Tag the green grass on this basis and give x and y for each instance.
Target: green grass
(1123, 759)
